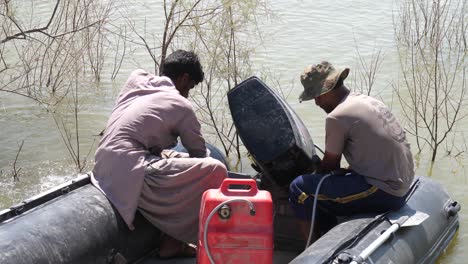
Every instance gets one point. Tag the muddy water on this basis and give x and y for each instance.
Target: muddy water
(303, 32)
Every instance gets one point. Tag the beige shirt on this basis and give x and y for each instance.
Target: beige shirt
(149, 114)
(371, 139)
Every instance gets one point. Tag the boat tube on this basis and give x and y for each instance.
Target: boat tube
(75, 223)
(79, 225)
(420, 243)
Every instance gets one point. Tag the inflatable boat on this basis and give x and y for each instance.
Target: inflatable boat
(75, 223)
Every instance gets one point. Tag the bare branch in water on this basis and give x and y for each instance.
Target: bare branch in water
(16, 171)
(432, 53)
(23, 33)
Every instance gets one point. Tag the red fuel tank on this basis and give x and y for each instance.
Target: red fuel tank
(238, 223)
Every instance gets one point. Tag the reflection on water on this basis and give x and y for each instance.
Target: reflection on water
(303, 32)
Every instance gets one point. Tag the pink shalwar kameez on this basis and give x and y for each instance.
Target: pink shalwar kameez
(148, 117)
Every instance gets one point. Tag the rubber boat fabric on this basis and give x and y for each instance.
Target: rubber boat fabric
(75, 223)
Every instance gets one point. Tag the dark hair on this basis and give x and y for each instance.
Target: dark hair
(180, 62)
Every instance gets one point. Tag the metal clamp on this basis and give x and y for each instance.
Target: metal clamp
(224, 212)
(452, 208)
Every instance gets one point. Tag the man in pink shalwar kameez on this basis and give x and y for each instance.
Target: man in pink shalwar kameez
(134, 167)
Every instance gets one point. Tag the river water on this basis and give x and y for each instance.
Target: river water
(301, 33)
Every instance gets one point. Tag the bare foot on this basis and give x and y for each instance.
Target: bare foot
(171, 248)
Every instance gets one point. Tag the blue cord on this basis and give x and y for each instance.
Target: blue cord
(312, 222)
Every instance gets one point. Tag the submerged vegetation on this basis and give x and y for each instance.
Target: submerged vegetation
(432, 44)
(47, 59)
(53, 61)
(58, 60)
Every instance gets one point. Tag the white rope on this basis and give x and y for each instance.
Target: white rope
(312, 221)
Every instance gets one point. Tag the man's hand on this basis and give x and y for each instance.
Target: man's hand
(315, 164)
(170, 153)
(329, 162)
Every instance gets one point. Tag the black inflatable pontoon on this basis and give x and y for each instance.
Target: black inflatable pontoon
(75, 223)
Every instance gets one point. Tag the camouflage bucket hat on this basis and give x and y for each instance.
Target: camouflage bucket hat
(319, 79)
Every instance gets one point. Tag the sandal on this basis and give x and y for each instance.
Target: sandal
(188, 251)
(173, 248)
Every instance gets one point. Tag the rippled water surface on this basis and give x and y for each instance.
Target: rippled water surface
(301, 33)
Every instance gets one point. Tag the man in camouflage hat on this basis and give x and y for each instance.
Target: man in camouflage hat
(373, 143)
(320, 79)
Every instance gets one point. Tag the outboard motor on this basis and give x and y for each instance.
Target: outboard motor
(278, 141)
(281, 149)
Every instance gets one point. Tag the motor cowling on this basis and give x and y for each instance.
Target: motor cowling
(272, 132)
